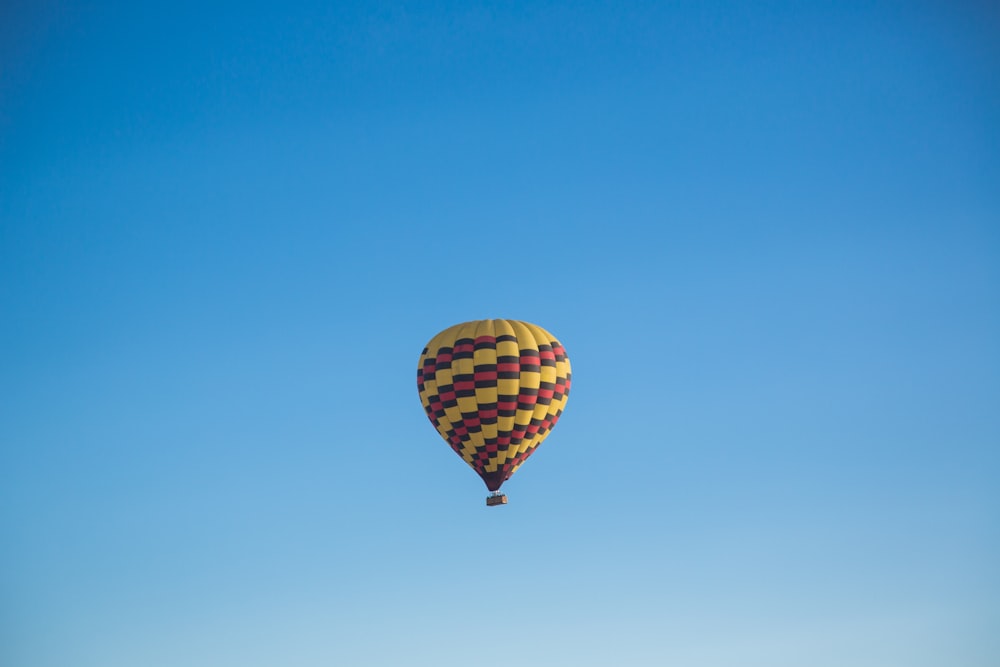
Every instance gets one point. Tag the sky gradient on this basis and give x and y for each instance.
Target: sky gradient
(768, 236)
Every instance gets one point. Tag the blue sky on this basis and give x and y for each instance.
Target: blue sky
(768, 235)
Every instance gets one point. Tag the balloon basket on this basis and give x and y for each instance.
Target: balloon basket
(496, 498)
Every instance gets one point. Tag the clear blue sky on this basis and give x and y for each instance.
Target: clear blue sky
(767, 233)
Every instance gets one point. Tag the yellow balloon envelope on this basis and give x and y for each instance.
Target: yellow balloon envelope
(494, 389)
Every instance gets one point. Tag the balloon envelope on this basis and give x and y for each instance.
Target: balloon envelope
(494, 389)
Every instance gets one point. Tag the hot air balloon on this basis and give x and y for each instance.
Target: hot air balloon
(494, 389)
